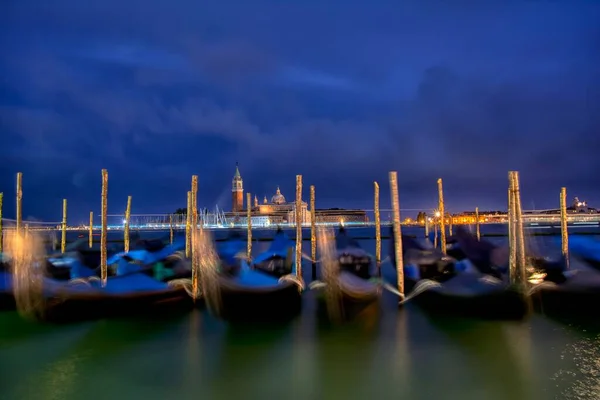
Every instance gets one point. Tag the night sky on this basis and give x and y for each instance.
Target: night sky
(342, 93)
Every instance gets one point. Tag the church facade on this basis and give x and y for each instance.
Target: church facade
(278, 210)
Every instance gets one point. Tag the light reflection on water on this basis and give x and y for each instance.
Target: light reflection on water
(406, 356)
(580, 377)
(403, 354)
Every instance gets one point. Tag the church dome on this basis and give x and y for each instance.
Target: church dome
(278, 198)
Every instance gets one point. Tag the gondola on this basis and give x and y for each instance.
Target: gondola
(251, 295)
(359, 295)
(279, 259)
(554, 289)
(130, 292)
(7, 300)
(439, 284)
(586, 249)
(573, 292)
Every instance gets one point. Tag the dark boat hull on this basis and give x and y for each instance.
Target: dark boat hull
(567, 303)
(7, 301)
(502, 303)
(357, 307)
(592, 262)
(358, 298)
(80, 307)
(253, 304)
(578, 296)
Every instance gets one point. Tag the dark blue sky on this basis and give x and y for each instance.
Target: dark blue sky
(339, 91)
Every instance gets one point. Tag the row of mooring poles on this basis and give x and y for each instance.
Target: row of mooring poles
(442, 221)
(313, 234)
(188, 226)
(91, 230)
(63, 236)
(171, 228)
(1, 234)
(393, 178)
(193, 198)
(441, 208)
(377, 216)
(126, 237)
(299, 221)
(515, 232)
(103, 227)
(515, 224)
(564, 233)
(19, 210)
(477, 229)
(249, 226)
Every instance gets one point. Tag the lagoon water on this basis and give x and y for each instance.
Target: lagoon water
(400, 354)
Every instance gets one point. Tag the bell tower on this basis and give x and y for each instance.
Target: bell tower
(237, 191)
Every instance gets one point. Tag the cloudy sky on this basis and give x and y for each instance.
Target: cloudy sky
(339, 91)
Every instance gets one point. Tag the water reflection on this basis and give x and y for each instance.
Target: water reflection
(305, 381)
(255, 359)
(391, 359)
(41, 363)
(518, 339)
(579, 374)
(488, 356)
(59, 379)
(344, 355)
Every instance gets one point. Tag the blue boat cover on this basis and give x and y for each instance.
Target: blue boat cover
(130, 284)
(5, 281)
(279, 247)
(431, 238)
(583, 246)
(125, 267)
(253, 278)
(115, 285)
(146, 257)
(344, 241)
(78, 270)
(229, 251)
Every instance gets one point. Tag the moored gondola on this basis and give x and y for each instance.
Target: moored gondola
(82, 296)
(128, 295)
(279, 258)
(554, 289)
(442, 285)
(573, 292)
(252, 295)
(7, 300)
(358, 294)
(586, 249)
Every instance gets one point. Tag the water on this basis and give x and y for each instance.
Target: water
(402, 354)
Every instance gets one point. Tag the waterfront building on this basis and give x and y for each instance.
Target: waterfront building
(279, 211)
(237, 191)
(577, 208)
(340, 215)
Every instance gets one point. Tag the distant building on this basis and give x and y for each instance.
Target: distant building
(340, 215)
(468, 217)
(577, 207)
(279, 211)
(237, 191)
